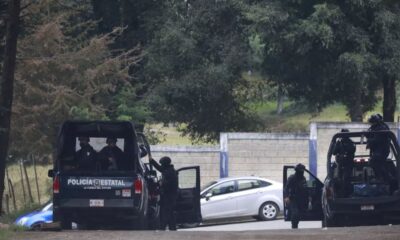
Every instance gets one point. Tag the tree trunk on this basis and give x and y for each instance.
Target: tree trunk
(7, 86)
(389, 99)
(355, 106)
(280, 97)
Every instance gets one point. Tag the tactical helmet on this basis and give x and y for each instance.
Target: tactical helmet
(299, 167)
(165, 161)
(111, 140)
(375, 118)
(86, 139)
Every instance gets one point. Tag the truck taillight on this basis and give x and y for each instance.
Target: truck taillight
(329, 192)
(138, 186)
(56, 185)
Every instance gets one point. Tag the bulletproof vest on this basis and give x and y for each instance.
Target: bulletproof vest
(170, 180)
(379, 144)
(298, 188)
(86, 158)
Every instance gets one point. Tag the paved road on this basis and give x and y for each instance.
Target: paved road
(273, 230)
(353, 233)
(254, 225)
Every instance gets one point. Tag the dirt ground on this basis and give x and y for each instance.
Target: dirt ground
(351, 233)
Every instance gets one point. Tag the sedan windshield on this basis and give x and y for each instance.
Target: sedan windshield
(208, 184)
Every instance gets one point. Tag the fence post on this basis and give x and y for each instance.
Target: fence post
(11, 190)
(36, 178)
(28, 184)
(7, 203)
(22, 180)
(11, 187)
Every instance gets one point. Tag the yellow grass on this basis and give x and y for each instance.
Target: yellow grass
(44, 183)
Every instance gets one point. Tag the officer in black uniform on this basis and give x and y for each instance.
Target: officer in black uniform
(379, 146)
(296, 194)
(169, 192)
(112, 155)
(344, 151)
(86, 156)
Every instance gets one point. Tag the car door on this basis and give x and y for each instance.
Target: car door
(248, 191)
(314, 188)
(219, 201)
(188, 202)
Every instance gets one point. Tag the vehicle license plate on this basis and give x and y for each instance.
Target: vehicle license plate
(367, 207)
(96, 203)
(126, 193)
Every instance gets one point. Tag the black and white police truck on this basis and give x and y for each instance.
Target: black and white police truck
(123, 197)
(365, 199)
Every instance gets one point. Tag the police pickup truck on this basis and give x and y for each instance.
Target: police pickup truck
(364, 198)
(93, 195)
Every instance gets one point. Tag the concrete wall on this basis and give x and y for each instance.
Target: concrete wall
(263, 154)
(207, 158)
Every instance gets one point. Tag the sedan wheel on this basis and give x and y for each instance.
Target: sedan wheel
(268, 211)
(36, 226)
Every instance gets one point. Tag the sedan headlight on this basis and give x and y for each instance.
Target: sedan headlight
(22, 221)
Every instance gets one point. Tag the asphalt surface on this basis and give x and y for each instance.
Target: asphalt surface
(252, 225)
(352, 233)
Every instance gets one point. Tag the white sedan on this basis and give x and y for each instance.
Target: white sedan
(240, 197)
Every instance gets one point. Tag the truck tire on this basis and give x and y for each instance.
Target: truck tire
(65, 224)
(154, 224)
(140, 223)
(330, 221)
(143, 224)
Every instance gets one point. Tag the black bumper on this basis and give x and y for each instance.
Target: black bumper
(114, 210)
(385, 207)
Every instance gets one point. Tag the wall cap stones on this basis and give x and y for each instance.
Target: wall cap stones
(189, 149)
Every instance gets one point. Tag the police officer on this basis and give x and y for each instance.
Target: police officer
(112, 155)
(86, 156)
(344, 151)
(296, 195)
(169, 192)
(379, 146)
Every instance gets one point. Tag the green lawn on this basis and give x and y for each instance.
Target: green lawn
(296, 117)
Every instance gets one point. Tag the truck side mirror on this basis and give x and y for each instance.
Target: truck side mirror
(50, 173)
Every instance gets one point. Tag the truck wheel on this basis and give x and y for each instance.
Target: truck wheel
(268, 211)
(330, 221)
(143, 224)
(66, 224)
(140, 223)
(153, 224)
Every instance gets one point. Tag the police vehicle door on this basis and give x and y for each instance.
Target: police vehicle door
(314, 187)
(188, 202)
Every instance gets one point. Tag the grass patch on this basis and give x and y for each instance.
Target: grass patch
(295, 117)
(10, 232)
(23, 200)
(172, 136)
(11, 217)
(7, 232)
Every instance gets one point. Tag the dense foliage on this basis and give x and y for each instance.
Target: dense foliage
(329, 51)
(199, 63)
